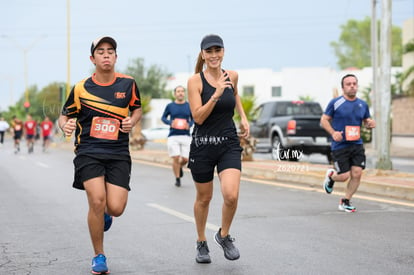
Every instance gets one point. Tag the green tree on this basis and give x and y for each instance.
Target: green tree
(306, 98)
(248, 103)
(354, 46)
(151, 81)
(42, 103)
(409, 73)
(248, 144)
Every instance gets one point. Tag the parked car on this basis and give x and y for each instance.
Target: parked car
(289, 129)
(156, 133)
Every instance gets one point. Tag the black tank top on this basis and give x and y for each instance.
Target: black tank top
(219, 124)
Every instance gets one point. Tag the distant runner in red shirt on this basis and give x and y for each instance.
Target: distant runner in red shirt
(30, 129)
(46, 125)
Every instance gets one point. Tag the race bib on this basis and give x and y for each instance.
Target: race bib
(180, 124)
(352, 133)
(105, 128)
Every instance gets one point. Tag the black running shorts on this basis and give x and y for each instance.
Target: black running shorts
(204, 158)
(116, 169)
(353, 155)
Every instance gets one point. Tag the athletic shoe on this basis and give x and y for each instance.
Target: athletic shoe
(345, 205)
(181, 172)
(177, 182)
(107, 222)
(99, 265)
(230, 251)
(202, 253)
(328, 183)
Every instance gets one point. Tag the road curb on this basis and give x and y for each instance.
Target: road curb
(388, 184)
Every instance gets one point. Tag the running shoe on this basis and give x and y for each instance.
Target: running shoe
(181, 172)
(177, 182)
(107, 222)
(202, 253)
(99, 265)
(345, 205)
(230, 251)
(328, 183)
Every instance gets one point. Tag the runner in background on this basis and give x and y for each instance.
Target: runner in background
(177, 114)
(46, 127)
(30, 130)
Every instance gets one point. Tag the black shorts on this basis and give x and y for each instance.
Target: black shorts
(204, 158)
(17, 135)
(353, 155)
(116, 169)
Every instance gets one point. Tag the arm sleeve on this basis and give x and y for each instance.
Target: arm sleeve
(330, 109)
(165, 115)
(72, 105)
(135, 102)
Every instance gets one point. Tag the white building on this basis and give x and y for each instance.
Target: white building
(319, 83)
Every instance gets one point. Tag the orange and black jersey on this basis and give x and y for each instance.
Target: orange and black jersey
(89, 99)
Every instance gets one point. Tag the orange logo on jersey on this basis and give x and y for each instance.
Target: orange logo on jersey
(120, 95)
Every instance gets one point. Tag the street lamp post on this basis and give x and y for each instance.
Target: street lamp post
(25, 51)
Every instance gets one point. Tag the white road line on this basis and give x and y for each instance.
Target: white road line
(304, 188)
(181, 215)
(41, 164)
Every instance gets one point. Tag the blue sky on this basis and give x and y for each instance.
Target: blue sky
(257, 34)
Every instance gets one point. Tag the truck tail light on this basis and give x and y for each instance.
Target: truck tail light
(291, 127)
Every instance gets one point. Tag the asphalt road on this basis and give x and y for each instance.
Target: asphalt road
(279, 229)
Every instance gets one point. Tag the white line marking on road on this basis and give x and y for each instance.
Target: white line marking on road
(368, 198)
(286, 185)
(41, 164)
(181, 215)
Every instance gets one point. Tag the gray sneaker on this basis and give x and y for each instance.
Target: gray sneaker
(230, 251)
(202, 253)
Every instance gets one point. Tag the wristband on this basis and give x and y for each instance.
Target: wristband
(214, 99)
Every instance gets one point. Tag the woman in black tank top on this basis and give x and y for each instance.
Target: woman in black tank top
(212, 94)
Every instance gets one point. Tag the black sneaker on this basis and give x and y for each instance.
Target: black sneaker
(202, 253)
(177, 182)
(181, 172)
(230, 251)
(328, 183)
(345, 205)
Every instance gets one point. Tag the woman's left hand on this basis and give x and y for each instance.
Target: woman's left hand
(244, 128)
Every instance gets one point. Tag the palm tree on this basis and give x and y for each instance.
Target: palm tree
(409, 73)
(248, 144)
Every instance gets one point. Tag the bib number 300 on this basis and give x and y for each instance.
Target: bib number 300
(105, 128)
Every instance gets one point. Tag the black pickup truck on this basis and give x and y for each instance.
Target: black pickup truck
(290, 129)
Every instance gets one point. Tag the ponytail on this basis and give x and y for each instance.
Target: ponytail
(200, 64)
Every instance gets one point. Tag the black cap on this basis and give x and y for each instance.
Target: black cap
(211, 40)
(100, 40)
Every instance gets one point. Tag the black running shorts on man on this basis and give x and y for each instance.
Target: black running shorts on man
(352, 155)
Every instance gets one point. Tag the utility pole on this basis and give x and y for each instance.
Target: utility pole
(68, 45)
(383, 124)
(374, 64)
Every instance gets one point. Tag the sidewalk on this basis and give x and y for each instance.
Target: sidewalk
(382, 183)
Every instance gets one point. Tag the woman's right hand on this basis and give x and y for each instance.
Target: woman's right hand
(223, 83)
